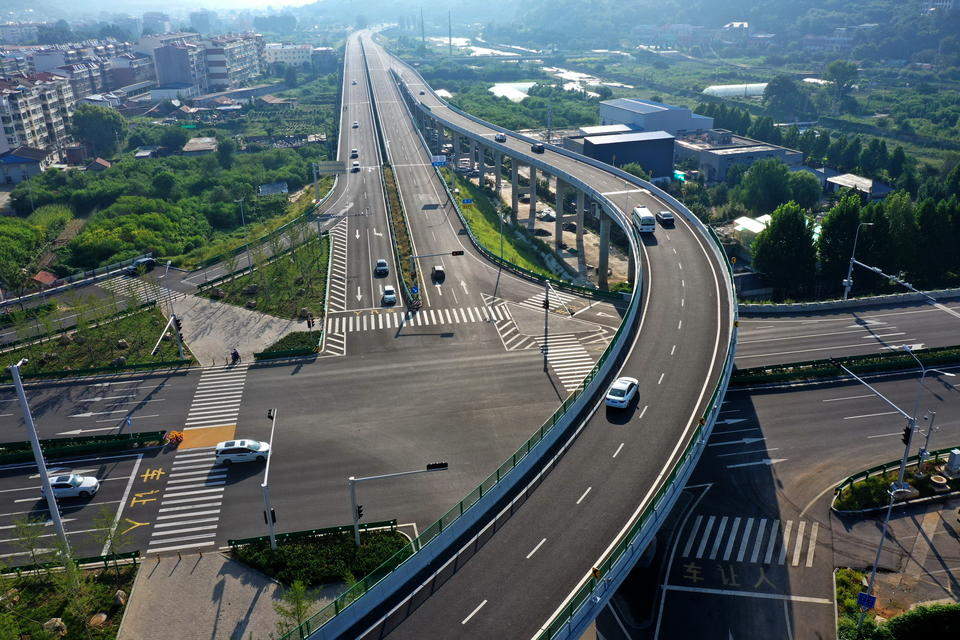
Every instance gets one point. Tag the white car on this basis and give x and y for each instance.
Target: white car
(353, 82)
(389, 295)
(622, 392)
(242, 451)
(356, 124)
(73, 486)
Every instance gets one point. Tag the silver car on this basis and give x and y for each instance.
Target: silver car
(73, 486)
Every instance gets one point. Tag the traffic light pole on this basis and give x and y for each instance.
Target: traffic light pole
(268, 514)
(176, 323)
(357, 509)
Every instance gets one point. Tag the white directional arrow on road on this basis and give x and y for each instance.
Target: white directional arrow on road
(911, 347)
(58, 470)
(359, 295)
(132, 395)
(743, 441)
(464, 285)
(77, 432)
(377, 233)
(731, 420)
(48, 523)
(90, 414)
(358, 234)
(766, 461)
(605, 315)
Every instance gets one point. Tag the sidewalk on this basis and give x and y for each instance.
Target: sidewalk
(194, 596)
(211, 329)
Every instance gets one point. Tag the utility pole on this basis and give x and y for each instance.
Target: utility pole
(848, 281)
(269, 515)
(243, 223)
(38, 457)
(357, 509)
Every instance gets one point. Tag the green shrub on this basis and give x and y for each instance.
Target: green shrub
(296, 340)
(935, 621)
(322, 560)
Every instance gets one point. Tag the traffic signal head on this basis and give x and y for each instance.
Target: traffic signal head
(359, 512)
(458, 252)
(437, 466)
(906, 435)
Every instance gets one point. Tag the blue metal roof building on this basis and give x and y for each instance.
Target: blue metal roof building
(644, 115)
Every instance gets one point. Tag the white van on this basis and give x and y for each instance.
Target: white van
(644, 220)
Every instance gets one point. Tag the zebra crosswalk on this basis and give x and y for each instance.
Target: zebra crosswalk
(751, 539)
(337, 290)
(567, 357)
(189, 511)
(216, 402)
(557, 301)
(139, 290)
(373, 321)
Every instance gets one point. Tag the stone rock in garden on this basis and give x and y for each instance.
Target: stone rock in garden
(55, 626)
(96, 621)
(304, 312)
(251, 304)
(251, 289)
(122, 344)
(120, 598)
(119, 361)
(218, 294)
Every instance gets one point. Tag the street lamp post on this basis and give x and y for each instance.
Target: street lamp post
(268, 514)
(848, 281)
(38, 457)
(357, 509)
(898, 487)
(243, 223)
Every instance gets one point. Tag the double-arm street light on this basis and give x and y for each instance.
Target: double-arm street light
(848, 281)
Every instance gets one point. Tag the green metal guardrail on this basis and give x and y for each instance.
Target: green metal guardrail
(105, 560)
(316, 533)
(888, 466)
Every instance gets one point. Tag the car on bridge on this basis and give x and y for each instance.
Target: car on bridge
(500, 137)
(356, 124)
(537, 148)
(353, 82)
(665, 218)
(73, 486)
(622, 392)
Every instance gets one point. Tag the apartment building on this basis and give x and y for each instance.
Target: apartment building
(147, 44)
(181, 63)
(156, 22)
(85, 78)
(292, 54)
(13, 63)
(34, 111)
(233, 60)
(129, 69)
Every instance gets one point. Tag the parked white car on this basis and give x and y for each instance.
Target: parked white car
(73, 486)
(232, 451)
(622, 392)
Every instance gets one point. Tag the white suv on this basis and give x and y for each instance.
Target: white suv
(242, 451)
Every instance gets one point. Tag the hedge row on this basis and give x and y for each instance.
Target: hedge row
(814, 369)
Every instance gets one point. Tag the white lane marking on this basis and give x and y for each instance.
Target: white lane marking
(192, 514)
(679, 325)
(841, 346)
(539, 544)
(734, 528)
(672, 349)
(615, 453)
(123, 501)
(661, 378)
(772, 542)
(187, 522)
(691, 536)
(798, 547)
(643, 412)
(706, 537)
(870, 415)
(756, 546)
(747, 527)
(474, 612)
(884, 435)
(716, 542)
(787, 528)
(580, 499)
(811, 546)
(865, 395)
(188, 507)
(748, 594)
(178, 547)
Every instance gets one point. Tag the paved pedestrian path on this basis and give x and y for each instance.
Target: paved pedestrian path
(201, 597)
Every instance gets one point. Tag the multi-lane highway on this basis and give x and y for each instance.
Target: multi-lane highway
(774, 339)
(513, 583)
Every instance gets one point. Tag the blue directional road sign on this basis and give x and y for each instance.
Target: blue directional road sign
(468, 201)
(866, 601)
(438, 161)
(414, 289)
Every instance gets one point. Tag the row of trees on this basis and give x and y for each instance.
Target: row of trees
(917, 240)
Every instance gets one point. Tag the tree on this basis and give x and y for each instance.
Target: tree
(784, 251)
(805, 189)
(163, 184)
(783, 97)
(293, 608)
(637, 170)
(842, 74)
(101, 128)
(290, 76)
(937, 244)
(837, 231)
(173, 138)
(765, 185)
(225, 149)
(901, 217)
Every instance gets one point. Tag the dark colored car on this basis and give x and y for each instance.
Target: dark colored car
(537, 148)
(141, 264)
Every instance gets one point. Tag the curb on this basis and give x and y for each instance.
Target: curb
(940, 497)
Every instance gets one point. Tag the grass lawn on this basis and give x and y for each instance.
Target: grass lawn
(484, 221)
(323, 559)
(98, 346)
(225, 242)
(38, 598)
(284, 286)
